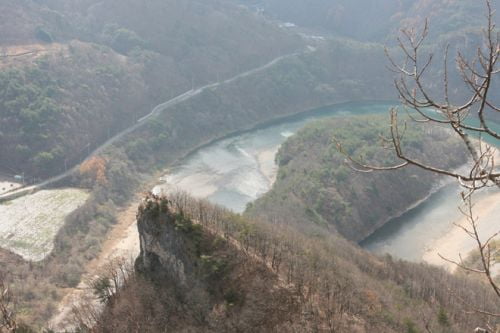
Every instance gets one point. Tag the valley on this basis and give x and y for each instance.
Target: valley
(207, 166)
(238, 170)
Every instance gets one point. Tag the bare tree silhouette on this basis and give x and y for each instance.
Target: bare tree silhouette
(477, 74)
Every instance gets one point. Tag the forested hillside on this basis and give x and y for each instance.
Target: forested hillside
(378, 20)
(59, 76)
(153, 52)
(63, 104)
(315, 185)
(293, 85)
(74, 73)
(204, 269)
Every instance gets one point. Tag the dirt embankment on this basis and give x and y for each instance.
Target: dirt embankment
(122, 242)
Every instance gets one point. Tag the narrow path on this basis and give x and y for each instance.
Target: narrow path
(27, 52)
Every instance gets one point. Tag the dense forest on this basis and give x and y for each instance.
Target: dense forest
(378, 20)
(89, 49)
(316, 185)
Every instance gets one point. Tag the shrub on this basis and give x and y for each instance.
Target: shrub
(43, 35)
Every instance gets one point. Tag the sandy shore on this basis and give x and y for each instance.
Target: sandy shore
(267, 167)
(456, 242)
(199, 185)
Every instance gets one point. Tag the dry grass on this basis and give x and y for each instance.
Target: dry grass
(16, 55)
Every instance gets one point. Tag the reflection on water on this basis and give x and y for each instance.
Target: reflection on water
(235, 171)
(430, 225)
(409, 235)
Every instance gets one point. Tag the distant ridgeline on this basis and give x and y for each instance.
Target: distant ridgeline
(315, 186)
(379, 20)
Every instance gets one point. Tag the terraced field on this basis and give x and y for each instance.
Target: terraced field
(28, 225)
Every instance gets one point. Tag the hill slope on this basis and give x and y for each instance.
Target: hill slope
(227, 274)
(315, 185)
(378, 20)
(73, 73)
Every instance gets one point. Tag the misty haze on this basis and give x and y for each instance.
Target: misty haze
(249, 166)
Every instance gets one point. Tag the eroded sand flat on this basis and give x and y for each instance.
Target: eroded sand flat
(267, 166)
(456, 242)
(28, 225)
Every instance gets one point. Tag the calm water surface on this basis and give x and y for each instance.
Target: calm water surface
(237, 170)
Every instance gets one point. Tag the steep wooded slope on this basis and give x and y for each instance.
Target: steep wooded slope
(64, 104)
(378, 20)
(204, 269)
(315, 185)
(77, 72)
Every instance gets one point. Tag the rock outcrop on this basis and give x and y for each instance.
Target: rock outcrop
(206, 277)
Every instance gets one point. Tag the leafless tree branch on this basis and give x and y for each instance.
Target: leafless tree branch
(472, 117)
(7, 316)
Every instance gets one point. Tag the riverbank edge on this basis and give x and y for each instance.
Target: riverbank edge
(149, 180)
(433, 190)
(457, 236)
(450, 236)
(274, 121)
(444, 182)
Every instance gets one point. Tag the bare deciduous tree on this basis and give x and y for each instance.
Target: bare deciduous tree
(103, 288)
(470, 120)
(7, 316)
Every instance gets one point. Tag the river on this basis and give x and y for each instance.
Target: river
(237, 170)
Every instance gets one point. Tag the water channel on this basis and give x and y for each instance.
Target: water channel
(236, 170)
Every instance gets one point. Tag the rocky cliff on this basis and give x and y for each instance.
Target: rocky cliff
(203, 269)
(202, 281)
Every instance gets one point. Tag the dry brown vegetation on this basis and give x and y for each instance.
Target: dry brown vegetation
(39, 286)
(337, 286)
(93, 171)
(472, 115)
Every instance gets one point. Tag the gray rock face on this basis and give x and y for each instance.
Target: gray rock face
(166, 252)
